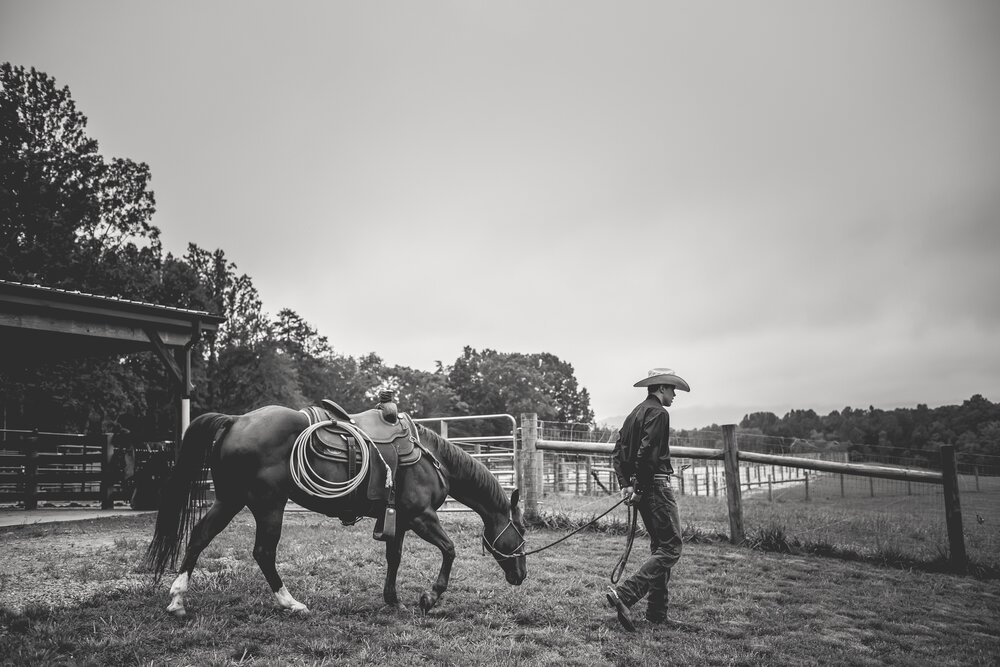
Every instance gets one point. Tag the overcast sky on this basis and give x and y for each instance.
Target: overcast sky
(793, 204)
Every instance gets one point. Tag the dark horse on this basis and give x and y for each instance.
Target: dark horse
(249, 458)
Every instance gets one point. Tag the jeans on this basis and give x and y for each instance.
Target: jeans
(658, 510)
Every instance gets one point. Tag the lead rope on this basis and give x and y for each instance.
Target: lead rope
(616, 573)
(586, 525)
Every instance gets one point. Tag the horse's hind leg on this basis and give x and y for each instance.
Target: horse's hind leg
(265, 548)
(428, 527)
(218, 517)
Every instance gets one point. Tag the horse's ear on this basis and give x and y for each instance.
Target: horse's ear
(514, 497)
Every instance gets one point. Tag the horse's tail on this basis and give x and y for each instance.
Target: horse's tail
(182, 497)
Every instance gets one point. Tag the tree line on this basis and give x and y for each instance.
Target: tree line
(909, 434)
(72, 219)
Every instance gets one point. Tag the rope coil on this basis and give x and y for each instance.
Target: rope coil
(310, 481)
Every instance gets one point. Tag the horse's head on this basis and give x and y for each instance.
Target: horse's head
(503, 536)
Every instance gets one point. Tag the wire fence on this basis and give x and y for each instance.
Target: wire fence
(830, 511)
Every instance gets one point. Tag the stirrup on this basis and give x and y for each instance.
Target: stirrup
(385, 528)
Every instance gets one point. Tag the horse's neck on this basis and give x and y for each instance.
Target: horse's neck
(468, 490)
(481, 503)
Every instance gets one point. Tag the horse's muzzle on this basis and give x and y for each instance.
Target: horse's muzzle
(515, 578)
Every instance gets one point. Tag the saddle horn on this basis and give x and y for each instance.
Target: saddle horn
(387, 406)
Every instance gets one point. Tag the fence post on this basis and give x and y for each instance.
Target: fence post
(953, 508)
(589, 460)
(529, 477)
(731, 464)
(806, 473)
(107, 478)
(30, 449)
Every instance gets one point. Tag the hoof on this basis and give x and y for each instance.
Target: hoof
(396, 607)
(300, 609)
(426, 602)
(177, 611)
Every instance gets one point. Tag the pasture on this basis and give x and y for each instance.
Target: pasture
(899, 524)
(748, 607)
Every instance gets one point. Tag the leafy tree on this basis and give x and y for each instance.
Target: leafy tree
(249, 377)
(422, 393)
(491, 382)
(68, 217)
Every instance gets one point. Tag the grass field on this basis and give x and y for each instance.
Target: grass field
(72, 595)
(899, 523)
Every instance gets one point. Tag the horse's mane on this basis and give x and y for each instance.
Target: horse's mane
(464, 467)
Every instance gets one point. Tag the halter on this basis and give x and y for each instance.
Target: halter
(491, 546)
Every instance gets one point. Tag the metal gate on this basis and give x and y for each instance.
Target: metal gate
(497, 450)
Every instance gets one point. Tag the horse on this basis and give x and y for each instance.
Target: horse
(249, 458)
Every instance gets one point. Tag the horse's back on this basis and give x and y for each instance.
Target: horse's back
(266, 434)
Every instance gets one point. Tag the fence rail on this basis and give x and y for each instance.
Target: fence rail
(40, 466)
(533, 475)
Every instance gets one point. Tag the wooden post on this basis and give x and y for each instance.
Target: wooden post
(841, 485)
(806, 473)
(695, 483)
(975, 470)
(953, 509)
(30, 449)
(715, 488)
(770, 490)
(107, 474)
(707, 478)
(731, 464)
(530, 487)
(871, 485)
(590, 477)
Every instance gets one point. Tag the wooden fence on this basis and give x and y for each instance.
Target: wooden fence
(531, 475)
(50, 467)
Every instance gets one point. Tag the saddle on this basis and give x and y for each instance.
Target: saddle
(392, 441)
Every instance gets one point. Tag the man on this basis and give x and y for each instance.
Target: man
(641, 459)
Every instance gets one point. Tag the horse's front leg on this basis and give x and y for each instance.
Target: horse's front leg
(428, 527)
(393, 554)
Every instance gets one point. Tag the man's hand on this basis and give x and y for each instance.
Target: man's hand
(630, 495)
(627, 493)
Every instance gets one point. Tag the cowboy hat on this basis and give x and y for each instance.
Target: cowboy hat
(663, 376)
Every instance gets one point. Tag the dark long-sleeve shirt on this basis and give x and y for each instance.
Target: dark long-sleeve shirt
(643, 446)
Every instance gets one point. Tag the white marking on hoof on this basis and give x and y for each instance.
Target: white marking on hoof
(286, 601)
(177, 590)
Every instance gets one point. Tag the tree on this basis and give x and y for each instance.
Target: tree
(68, 217)
(250, 377)
(491, 382)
